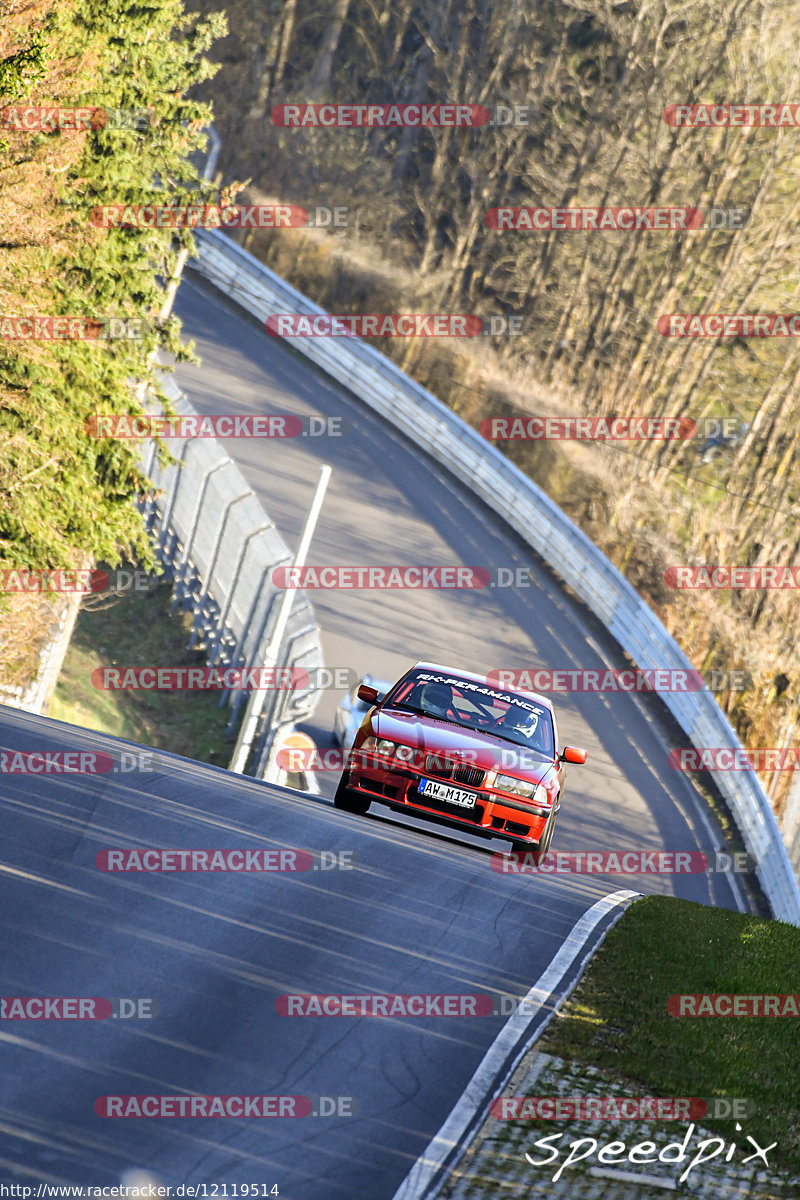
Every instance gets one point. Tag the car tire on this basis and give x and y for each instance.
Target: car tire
(547, 834)
(349, 801)
(540, 847)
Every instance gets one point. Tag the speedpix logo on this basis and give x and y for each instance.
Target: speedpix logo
(615, 1153)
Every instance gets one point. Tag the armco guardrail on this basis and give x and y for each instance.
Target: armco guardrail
(421, 418)
(220, 548)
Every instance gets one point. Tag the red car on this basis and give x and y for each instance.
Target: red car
(449, 746)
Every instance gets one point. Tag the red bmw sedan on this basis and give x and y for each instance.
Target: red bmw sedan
(449, 746)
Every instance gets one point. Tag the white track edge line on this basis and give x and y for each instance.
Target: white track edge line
(438, 1150)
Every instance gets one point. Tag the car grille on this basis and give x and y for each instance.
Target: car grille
(446, 768)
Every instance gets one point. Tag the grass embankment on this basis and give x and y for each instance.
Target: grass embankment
(136, 628)
(617, 1018)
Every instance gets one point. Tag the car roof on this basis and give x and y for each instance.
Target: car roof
(474, 678)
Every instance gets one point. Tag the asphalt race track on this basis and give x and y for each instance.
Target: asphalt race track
(215, 951)
(385, 505)
(422, 912)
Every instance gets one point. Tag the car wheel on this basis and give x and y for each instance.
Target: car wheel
(540, 847)
(547, 835)
(348, 800)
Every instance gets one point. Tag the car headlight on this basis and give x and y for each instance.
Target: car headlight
(405, 754)
(383, 746)
(389, 749)
(535, 792)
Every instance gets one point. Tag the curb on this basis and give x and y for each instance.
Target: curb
(431, 1170)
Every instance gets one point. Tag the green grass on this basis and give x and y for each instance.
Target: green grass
(136, 629)
(617, 1018)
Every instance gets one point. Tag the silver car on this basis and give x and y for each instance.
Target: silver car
(350, 712)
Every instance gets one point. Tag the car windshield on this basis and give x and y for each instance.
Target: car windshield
(477, 706)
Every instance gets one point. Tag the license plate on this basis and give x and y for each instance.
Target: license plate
(443, 791)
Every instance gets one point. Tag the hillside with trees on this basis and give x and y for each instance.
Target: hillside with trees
(65, 498)
(595, 80)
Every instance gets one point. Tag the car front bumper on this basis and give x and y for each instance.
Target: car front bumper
(492, 815)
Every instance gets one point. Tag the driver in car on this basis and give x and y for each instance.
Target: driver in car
(437, 700)
(526, 722)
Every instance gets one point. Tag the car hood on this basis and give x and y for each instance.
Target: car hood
(439, 737)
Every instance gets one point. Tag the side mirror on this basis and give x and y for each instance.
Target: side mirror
(573, 755)
(368, 694)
